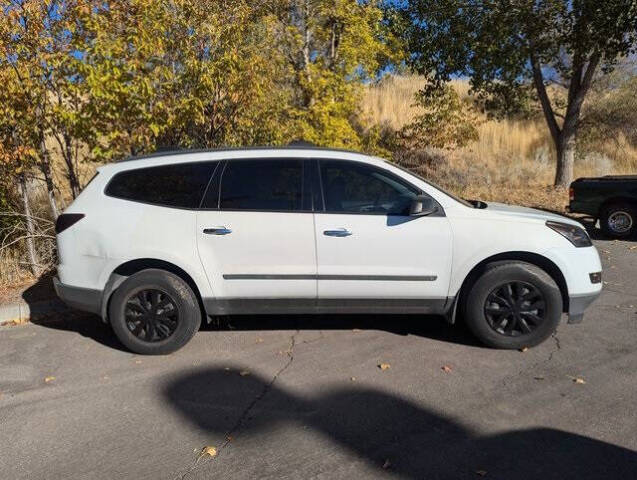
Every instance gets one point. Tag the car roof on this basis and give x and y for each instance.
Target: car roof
(191, 156)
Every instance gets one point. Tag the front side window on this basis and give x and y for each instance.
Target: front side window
(180, 185)
(351, 187)
(271, 185)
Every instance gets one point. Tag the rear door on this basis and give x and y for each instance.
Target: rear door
(255, 233)
(368, 247)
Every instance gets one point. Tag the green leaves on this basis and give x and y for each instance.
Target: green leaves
(101, 80)
(443, 122)
(505, 46)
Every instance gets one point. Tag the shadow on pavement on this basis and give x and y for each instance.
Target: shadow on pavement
(48, 311)
(427, 326)
(85, 324)
(91, 326)
(436, 328)
(377, 426)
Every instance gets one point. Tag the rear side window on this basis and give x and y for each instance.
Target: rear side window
(180, 185)
(261, 185)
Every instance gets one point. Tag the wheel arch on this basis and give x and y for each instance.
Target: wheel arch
(131, 267)
(536, 259)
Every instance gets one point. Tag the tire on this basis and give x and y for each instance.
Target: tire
(618, 220)
(538, 297)
(154, 312)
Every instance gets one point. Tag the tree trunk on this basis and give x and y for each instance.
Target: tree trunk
(45, 168)
(50, 191)
(564, 137)
(33, 256)
(74, 182)
(565, 148)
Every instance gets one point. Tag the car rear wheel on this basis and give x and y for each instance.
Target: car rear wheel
(513, 305)
(154, 312)
(618, 220)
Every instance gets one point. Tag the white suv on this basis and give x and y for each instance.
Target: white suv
(154, 244)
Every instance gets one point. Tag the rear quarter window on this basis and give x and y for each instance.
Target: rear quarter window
(178, 186)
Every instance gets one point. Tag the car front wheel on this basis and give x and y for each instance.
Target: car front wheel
(154, 312)
(513, 305)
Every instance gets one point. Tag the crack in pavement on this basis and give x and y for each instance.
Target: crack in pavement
(246, 412)
(266, 388)
(558, 347)
(557, 344)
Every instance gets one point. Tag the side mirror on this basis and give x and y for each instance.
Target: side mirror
(421, 206)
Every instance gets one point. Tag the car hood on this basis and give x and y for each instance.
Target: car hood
(517, 212)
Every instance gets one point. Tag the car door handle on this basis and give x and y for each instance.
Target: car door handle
(217, 231)
(339, 232)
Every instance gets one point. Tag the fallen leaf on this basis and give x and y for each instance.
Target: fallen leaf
(209, 450)
(524, 349)
(244, 373)
(579, 381)
(387, 464)
(384, 366)
(482, 473)
(446, 369)
(48, 379)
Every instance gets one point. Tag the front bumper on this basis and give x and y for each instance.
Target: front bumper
(85, 299)
(577, 304)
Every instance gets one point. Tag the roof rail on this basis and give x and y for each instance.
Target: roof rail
(296, 145)
(301, 143)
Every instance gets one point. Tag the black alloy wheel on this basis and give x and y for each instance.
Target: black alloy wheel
(151, 315)
(515, 308)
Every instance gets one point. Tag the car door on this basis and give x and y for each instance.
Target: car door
(368, 247)
(255, 232)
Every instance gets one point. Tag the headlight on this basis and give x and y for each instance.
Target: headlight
(576, 235)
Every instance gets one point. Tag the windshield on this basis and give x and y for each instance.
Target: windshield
(466, 203)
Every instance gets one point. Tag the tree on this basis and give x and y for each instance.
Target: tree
(331, 47)
(610, 111)
(35, 53)
(505, 45)
(443, 121)
(176, 73)
(16, 158)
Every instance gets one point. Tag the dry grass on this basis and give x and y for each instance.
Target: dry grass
(513, 161)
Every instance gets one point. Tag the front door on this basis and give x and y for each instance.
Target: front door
(368, 247)
(255, 233)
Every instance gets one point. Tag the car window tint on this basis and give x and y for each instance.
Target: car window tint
(180, 185)
(262, 185)
(351, 187)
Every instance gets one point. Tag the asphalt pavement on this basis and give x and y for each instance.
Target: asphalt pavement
(304, 397)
